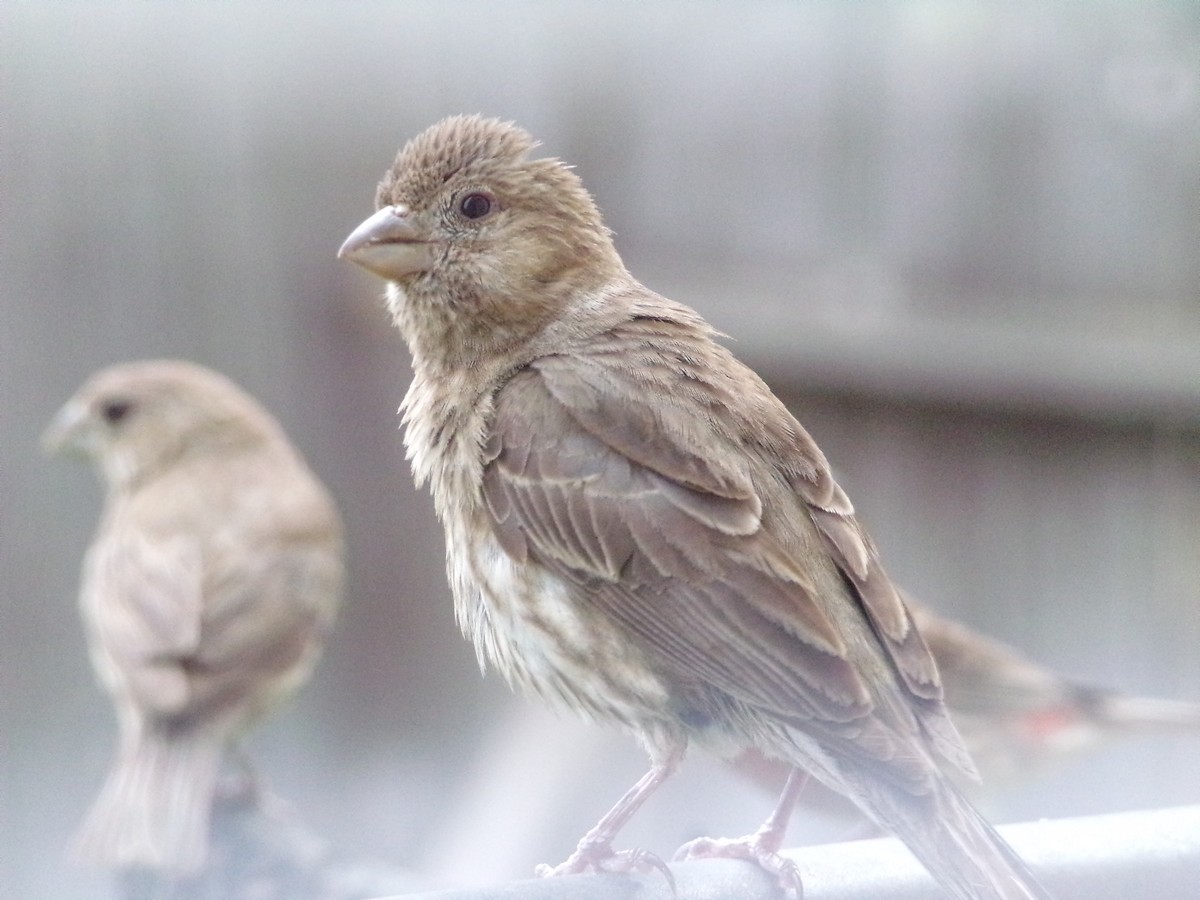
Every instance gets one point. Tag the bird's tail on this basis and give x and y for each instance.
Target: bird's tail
(154, 808)
(1137, 713)
(965, 854)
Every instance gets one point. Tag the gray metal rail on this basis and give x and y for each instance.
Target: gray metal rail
(1152, 855)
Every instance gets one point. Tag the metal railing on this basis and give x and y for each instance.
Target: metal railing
(1152, 855)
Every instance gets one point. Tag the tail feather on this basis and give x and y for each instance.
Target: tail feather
(154, 808)
(1133, 713)
(964, 853)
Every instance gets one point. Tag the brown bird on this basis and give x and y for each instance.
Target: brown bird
(1016, 717)
(636, 527)
(207, 592)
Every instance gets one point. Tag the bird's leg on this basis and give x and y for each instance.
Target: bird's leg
(762, 847)
(773, 831)
(594, 852)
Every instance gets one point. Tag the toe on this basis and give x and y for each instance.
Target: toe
(784, 870)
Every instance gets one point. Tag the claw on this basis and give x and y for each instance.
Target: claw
(752, 849)
(594, 853)
(601, 858)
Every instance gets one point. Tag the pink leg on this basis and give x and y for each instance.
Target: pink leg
(594, 853)
(762, 847)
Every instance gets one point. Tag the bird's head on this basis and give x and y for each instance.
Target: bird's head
(135, 418)
(469, 227)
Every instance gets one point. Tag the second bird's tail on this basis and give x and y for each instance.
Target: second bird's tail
(154, 808)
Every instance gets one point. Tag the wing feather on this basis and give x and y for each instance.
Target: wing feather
(143, 600)
(643, 484)
(667, 566)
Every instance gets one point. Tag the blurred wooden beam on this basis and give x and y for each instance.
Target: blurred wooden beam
(987, 368)
(800, 333)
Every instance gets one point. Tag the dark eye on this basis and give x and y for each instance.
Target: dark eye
(115, 410)
(475, 206)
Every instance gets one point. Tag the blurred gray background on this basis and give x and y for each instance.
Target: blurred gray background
(961, 239)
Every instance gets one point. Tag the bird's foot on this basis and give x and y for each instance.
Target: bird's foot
(238, 789)
(753, 848)
(239, 783)
(600, 858)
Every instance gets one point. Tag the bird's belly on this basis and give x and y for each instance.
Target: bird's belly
(542, 632)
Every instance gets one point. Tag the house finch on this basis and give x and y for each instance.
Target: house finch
(212, 580)
(1014, 715)
(636, 527)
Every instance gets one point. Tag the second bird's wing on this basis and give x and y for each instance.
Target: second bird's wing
(143, 601)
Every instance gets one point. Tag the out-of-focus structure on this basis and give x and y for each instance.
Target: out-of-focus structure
(960, 239)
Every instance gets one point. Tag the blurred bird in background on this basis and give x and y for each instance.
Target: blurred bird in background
(207, 592)
(637, 528)
(1016, 717)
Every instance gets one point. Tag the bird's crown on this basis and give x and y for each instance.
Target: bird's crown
(456, 145)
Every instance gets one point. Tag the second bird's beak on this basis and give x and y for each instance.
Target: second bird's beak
(69, 431)
(388, 245)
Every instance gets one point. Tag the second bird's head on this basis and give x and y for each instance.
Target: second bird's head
(137, 417)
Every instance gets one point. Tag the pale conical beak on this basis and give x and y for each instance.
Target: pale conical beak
(388, 245)
(68, 431)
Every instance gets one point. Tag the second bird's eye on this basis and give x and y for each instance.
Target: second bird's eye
(115, 410)
(475, 205)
